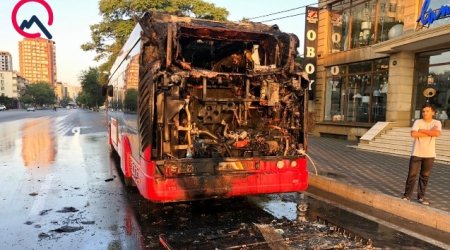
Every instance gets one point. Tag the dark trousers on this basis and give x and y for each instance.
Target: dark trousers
(416, 165)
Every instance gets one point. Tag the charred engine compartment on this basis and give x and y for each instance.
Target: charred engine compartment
(232, 116)
(224, 90)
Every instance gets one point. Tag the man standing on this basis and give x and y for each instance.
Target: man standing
(424, 131)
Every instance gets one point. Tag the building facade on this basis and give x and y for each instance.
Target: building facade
(380, 60)
(37, 59)
(63, 90)
(11, 84)
(5, 61)
(73, 91)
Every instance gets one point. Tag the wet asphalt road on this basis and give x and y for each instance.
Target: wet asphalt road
(60, 190)
(53, 193)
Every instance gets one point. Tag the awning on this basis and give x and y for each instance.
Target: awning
(417, 41)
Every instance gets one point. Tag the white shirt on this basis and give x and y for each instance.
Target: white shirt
(425, 146)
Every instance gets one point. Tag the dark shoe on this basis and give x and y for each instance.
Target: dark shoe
(405, 198)
(423, 201)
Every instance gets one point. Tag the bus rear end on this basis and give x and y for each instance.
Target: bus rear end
(221, 111)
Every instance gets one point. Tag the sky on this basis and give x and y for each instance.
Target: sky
(72, 19)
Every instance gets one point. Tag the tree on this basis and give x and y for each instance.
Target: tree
(81, 99)
(91, 90)
(39, 94)
(65, 101)
(8, 101)
(120, 17)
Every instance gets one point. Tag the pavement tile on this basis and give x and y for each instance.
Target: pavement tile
(338, 159)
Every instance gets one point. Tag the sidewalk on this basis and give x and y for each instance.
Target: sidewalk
(339, 160)
(378, 180)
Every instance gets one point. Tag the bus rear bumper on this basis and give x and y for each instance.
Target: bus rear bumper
(222, 185)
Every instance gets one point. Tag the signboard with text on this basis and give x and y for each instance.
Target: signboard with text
(310, 53)
(430, 15)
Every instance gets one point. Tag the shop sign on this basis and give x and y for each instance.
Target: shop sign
(310, 53)
(428, 16)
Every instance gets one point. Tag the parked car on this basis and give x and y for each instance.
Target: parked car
(2, 107)
(31, 109)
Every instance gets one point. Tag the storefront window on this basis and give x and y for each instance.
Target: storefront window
(367, 21)
(358, 97)
(340, 26)
(360, 67)
(363, 17)
(357, 94)
(336, 91)
(380, 88)
(433, 83)
(390, 14)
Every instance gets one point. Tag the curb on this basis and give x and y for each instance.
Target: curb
(424, 215)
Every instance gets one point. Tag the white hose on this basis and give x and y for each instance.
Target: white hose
(301, 151)
(314, 165)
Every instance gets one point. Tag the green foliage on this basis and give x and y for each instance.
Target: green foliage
(38, 94)
(81, 99)
(26, 99)
(300, 60)
(115, 105)
(120, 17)
(130, 102)
(7, 101)
(65, 101)
(91, 89)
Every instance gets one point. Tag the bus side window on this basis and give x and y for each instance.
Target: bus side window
(107, 90)
(110, 91)
(104, 89)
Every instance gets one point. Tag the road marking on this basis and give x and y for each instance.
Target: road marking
(39, 203)
(77, 130)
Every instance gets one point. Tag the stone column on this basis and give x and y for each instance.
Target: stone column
(323, 36)
(400, 92)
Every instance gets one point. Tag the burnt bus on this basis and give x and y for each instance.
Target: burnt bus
(203, 109)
